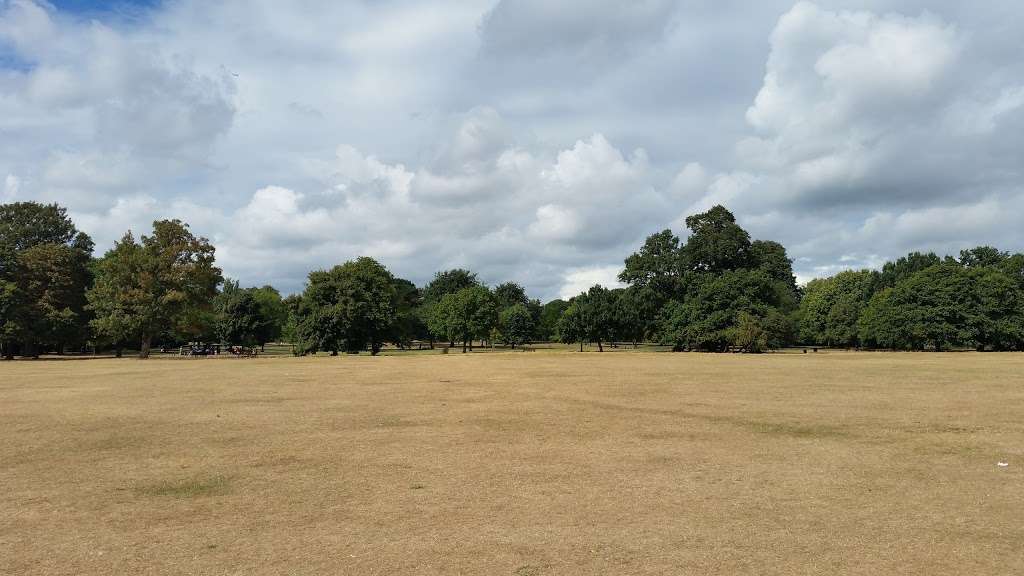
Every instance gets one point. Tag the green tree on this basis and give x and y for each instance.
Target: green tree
(510, 294)
(716, 243)
(999, 319)
(516, 324)
(905, 267)
(444, 283)
(982, 256)
(771, 258)
(27, 224)
(409, 324)
(349, 307)
(572, 325)
(708, 319)
(467, 314)
(47, 271)
(549, 315)
(53, 279)
(145, 288)
(657, 265)
(636, 313)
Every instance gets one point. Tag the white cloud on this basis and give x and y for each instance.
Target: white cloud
(579, 280)
(519, 139)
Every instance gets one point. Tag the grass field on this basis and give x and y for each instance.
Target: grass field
(515, 464)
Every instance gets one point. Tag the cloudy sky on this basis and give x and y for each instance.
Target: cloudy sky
(529, 140)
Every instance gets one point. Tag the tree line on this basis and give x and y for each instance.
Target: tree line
(716, 291)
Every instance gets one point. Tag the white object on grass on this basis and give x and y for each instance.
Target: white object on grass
(1002, 464)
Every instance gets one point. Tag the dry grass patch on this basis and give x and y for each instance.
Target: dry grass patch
(515, 464)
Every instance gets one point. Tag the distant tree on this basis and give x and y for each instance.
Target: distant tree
(771, 257)
(831, 308)
(10, 300)
(444, 283)
(597, 312)
(656, 266)
(240, 320)
(879, 325)
(549, 315)
(982, 256)
(53, 279)
(709, 318)
(636, 313)
(348, 307)
(716, 243)
(936, 308)
(143, 288)
(905, 267)
(409, 324)
(998, 322)
(510, 294)
(448, 282)
(572, 325)
(467, 314)
(516, 324)
(42, 290)
(27, 224)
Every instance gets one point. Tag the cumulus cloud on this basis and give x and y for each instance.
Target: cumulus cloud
(533, 141)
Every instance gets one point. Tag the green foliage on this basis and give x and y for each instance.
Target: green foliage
(516, 324)
(831, 307)
(44, 273)
(636, 313)
(249, 316)
(716, 243)
(550, 313)
(158, 284)
(656, 266)
(709, 318)
(572, 325)
(468, 314)
(510, 294)
(27, 224)
(348, 307)
(448, 282)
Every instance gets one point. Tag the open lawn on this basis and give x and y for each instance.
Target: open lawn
(519, 464)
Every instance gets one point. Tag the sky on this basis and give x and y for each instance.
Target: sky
(527, 140)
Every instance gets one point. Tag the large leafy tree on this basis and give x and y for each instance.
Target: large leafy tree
(636, 313)
(46, 263)
(572, 324)
(547, 328)
(348, 307)
(510, 294)
(444, 283)
(157, 284)
(409, 324)
(831, 308)
(516, 324)
(708, 319)
(465, 315)
(656, 266)
(717, 243)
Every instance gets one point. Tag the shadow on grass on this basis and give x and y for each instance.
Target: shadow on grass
(190, 488)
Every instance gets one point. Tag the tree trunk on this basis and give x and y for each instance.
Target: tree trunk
(8, 351)
(375, 348)
(147, 340)
(600, 348)
(463, 346)
(581, 345)
(60, 349)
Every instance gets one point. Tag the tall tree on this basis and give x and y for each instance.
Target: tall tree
(510, 294)
(716, 243)
(547, 328)
(516, 324)
(349, 307)
(656, 266)
(467, 314)
(157, 284)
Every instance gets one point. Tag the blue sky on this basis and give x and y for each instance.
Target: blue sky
(532, 141)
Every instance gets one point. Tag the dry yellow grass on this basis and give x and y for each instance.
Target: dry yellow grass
(515, 464)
